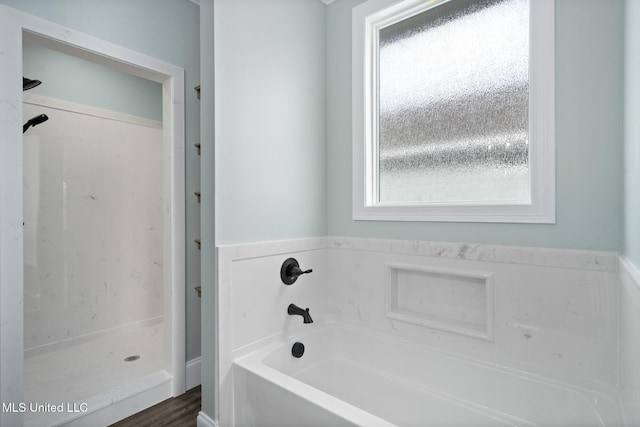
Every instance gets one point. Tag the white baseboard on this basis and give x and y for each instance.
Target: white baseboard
(205, 421)
(193, 373)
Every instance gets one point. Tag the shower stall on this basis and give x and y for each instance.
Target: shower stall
(96, 332)
(93, 277)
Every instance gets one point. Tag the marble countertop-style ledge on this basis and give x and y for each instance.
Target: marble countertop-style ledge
(258, 249)
(563, 258)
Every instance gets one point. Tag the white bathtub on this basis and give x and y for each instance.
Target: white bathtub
(349, 377)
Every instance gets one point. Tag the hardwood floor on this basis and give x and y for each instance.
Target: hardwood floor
(180, 411)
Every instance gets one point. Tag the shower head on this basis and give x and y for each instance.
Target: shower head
(29, 84)
(34, 122)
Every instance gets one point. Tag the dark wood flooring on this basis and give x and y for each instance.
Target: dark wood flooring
(180, 411)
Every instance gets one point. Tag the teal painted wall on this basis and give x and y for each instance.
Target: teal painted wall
(73, 79)
(589, 89)
(167, 30)
(632, 132)
(270, 120)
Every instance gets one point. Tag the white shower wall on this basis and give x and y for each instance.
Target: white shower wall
(92, 223)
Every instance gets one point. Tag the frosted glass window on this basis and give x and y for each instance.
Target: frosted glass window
(453, 104)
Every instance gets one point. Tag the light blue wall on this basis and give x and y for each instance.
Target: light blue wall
(632, 131)
(76, 80)
(589, 63)
(167, 30)
(270, 120)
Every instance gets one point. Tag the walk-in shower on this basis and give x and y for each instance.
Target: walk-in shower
(93, 257)
(98, 243)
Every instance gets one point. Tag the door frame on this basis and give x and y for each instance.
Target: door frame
(16, 27)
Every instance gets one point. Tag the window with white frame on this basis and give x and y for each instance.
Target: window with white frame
(453, 110)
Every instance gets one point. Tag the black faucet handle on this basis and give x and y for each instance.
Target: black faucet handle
(297, 271)
(290, 271)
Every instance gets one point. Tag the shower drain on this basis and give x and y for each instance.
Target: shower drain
(131, 358)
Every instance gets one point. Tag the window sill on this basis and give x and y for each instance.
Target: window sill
(516, 213)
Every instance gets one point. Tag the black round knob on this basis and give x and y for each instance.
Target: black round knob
(290, 271)
(297, 350)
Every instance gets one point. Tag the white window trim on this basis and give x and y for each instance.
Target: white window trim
(371, 15)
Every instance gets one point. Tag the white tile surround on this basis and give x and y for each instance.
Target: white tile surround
(554, 312)
(257, 300)
(557, 313)
(93, 233)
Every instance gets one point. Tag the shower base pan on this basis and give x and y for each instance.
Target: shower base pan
(96, 382)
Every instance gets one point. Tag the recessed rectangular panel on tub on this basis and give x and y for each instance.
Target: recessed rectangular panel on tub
(453, 300)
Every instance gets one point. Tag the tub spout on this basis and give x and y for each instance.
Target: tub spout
(293, 310)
